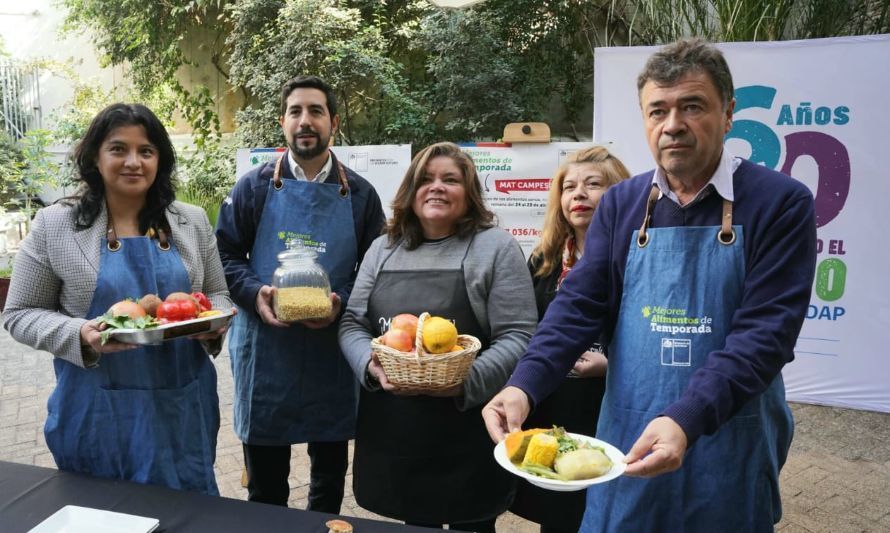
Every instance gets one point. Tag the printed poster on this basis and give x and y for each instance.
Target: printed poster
(382, 165)
(515, 182)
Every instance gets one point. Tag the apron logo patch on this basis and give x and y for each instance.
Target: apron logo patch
(305, 239)
(676, 352)
(674, 321)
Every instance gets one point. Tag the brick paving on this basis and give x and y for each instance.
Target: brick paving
(836, 480)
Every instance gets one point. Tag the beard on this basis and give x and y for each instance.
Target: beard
(321, 144)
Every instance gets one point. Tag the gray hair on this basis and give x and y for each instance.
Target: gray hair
(685, 56)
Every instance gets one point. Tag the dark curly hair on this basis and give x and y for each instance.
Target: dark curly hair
(90, 197)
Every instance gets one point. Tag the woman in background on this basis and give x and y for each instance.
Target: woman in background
(574, 195)
(148, 414)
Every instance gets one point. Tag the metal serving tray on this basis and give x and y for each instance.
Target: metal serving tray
(172, 331)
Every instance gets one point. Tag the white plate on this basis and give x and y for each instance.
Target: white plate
(613, 453)
(74, 519)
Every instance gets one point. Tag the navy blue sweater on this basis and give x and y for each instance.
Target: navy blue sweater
(778, 218)
(239, 219)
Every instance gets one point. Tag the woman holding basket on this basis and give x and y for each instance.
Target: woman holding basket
(423, 456)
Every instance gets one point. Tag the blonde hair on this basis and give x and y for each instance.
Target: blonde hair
(556, 228)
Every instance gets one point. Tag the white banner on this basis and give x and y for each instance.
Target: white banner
(817, 110)
(382, 165)
(515, 181)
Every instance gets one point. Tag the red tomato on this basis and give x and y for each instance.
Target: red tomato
(177, 311)
(202, 301)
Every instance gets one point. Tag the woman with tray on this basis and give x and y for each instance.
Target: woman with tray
(148, 414)
(421, 455)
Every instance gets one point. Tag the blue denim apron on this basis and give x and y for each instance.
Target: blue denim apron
(293, 384)
(151, 414)
(681, 288)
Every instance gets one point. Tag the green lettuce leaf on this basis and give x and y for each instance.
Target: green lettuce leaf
(114, 322)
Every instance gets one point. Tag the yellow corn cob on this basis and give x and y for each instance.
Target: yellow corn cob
(541, 450)
(516, 443)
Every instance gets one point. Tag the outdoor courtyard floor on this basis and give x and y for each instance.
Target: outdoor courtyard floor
(837, 478)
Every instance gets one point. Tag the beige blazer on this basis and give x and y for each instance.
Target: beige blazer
(55, 271)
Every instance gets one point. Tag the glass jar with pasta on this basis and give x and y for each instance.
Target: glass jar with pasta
(303, 291)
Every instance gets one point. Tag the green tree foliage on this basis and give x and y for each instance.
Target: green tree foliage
(662, 21)
(11, 163)
(148, 36)
(206, 177)
(27, 171)
(406, 71)
(511, 60)
(474, 86)
(273, 40)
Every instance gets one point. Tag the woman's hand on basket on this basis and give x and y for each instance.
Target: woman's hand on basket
(376, 370)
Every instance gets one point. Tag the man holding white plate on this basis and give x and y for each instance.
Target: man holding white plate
(700, 273)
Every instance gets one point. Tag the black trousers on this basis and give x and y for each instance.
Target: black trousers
(268, 468)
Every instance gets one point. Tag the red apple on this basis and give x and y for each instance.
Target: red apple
(406, 322)
(398, 339)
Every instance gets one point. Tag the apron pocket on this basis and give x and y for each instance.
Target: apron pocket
(152, 436)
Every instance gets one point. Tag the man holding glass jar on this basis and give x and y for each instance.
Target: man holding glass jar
(292, 384)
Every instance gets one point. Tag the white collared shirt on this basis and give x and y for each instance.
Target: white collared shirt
(298, 173)
(721, 181)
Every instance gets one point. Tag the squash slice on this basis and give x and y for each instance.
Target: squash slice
(516, 443)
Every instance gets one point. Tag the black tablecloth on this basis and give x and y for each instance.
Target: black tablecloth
(30, 494)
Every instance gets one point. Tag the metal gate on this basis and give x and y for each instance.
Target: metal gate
(19, 98)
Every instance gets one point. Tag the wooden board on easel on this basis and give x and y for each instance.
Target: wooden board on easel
(527, 132)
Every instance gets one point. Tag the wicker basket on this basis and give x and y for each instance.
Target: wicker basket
(421, 370)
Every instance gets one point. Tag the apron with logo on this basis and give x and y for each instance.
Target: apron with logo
(681, 288)
(417, 458)
(293, 384)
(150, 414)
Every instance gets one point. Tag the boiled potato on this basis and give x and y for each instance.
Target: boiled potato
(582, 464)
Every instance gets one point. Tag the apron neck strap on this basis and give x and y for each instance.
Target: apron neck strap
(114, 244)
(726, 235)
(341, 173)
(642, 236)
(276, 176)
